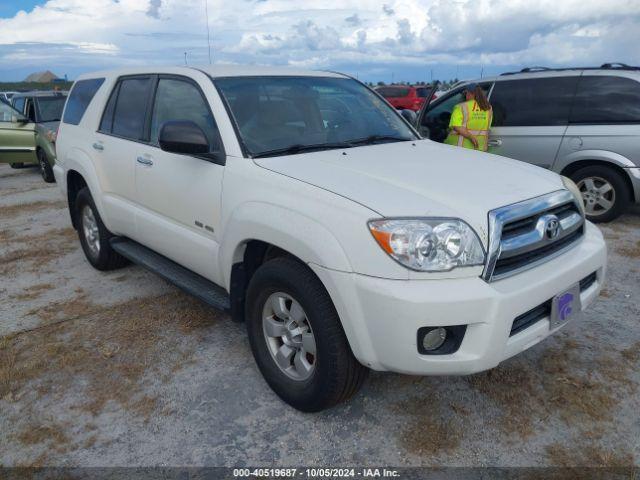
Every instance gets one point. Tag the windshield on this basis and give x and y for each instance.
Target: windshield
(51, 108)
(278, 113)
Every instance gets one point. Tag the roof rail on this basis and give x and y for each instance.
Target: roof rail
(535, 69)
(604, 66)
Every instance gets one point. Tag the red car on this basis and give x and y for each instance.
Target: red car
(404, 96)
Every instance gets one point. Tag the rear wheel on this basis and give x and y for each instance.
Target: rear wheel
(45, 167)
(297, 339)
(94, 236)
(604, 191)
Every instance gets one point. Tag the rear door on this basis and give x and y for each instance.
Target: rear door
(179, 196)
(118, 142)
(530, 117)
(17, 137)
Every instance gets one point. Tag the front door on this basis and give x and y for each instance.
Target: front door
(17, 137)
(179, 196)
(530, 117)
(433, 120)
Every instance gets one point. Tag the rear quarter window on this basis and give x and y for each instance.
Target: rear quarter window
(80, 97)
(606, 99)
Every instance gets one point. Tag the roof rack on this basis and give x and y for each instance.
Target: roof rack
(604, 66)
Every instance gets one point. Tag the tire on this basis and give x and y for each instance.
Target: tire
(94, 236)
(45, 167)
(601, 186)
(336, 375)
(17, 165)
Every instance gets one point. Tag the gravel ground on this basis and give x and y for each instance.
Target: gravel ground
(120, 368)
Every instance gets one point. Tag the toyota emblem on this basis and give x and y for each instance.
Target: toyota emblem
(552, 228)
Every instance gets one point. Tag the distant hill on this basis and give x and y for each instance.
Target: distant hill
(41, 77)
(25, 87)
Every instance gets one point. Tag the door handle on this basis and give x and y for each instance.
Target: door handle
(98, 146)
(496, 142)
(145, 161)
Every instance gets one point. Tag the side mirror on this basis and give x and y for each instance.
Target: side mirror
(183, 137)
(409, 115)
(19, 119)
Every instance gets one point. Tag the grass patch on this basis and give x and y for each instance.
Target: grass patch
(33, 292)
(581, 455)
(101, 356)
(37, 251)
(630, 251)
(12, 211)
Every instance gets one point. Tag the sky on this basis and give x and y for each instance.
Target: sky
(392, 40)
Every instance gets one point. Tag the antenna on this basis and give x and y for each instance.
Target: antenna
(206, 9)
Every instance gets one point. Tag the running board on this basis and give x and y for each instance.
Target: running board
(181, 277)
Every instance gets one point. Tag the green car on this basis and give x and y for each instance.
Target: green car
(28, 130)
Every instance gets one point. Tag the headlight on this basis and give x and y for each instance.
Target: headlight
(429, 244)
(573, 188)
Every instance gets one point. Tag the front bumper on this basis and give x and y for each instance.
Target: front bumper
(381, 316)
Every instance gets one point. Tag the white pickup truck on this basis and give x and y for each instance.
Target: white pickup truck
(307, 207)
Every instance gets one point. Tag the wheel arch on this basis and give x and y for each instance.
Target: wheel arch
(573, 167)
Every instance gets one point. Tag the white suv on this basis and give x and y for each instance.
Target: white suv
(309, 208)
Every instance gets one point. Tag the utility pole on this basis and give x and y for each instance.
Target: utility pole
(482, 71)
(185, 59)
(206, 9)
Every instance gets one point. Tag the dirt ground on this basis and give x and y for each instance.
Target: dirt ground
(120, 368)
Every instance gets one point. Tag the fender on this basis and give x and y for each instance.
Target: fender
(289, 230)
(606, 157)
(601, 155)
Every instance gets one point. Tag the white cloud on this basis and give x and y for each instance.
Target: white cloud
(93, 33)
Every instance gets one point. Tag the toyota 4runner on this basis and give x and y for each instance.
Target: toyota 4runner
(306, 206)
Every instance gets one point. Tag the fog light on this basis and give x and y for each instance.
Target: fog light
(434, 339)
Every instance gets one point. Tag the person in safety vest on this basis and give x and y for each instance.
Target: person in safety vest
(471, 120)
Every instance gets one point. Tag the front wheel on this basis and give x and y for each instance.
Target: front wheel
(297, 339)
(604, 191)
(94, 236)
(45, 167)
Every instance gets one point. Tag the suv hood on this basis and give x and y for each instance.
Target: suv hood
(421, 178)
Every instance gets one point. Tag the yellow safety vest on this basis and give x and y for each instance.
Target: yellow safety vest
(473, 118)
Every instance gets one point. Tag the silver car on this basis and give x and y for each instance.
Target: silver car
(583, 123)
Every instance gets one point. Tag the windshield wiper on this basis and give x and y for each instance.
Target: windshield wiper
(371, 139)
(299, 148)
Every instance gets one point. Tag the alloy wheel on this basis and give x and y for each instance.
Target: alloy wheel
(90, 231)
(598, 194)
(289, 336)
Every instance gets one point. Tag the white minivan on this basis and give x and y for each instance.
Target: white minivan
(307, 207)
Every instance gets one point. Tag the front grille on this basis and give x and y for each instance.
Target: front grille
(542, 311)
(504, 266)
(528, 233)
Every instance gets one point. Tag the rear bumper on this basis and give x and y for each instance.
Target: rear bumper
(381, 317)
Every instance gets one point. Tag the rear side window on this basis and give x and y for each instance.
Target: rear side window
(81, 95)
(533, 102)
(606, 99)
(131, 108)
(393, 92)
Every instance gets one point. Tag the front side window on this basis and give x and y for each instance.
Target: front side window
(276, 113)
(533, 102)
(131, 108)
(606, 99)
(81, 95)
(179, 100)
(18, 104)
(50, 108)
